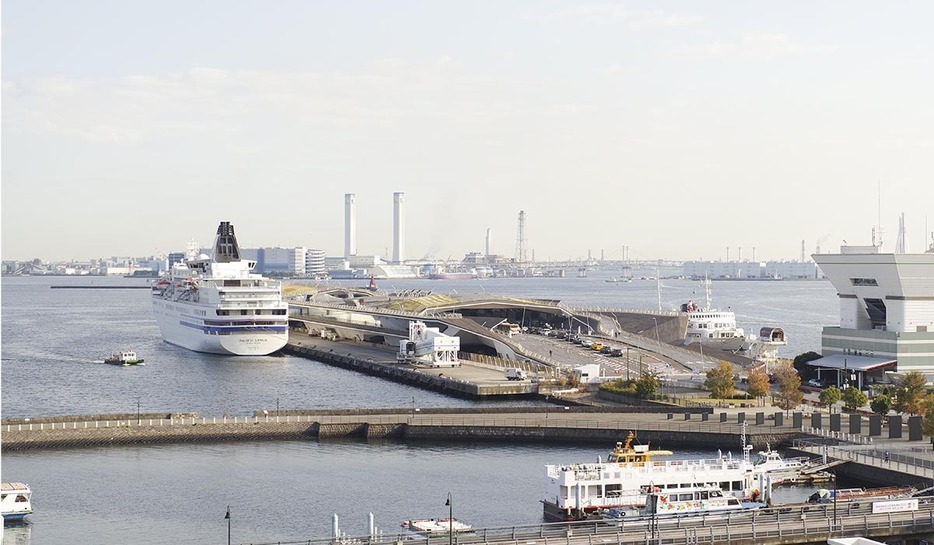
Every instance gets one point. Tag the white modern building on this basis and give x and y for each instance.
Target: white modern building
(750, 270)
(886, 311)
(315, 263)
(281, 261)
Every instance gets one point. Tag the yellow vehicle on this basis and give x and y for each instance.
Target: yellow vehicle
(597, 345)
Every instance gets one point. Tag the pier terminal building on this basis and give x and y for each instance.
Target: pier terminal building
(886, 314)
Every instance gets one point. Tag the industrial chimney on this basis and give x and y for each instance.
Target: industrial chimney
(398, 227)
(350, 225)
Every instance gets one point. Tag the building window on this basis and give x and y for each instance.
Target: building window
(864, 281)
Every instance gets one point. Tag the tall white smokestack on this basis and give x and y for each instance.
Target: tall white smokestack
(350, 225)
(489, 240)
(398, 227)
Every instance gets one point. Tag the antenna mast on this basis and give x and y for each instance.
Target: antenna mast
(520, 239)
(879, 221)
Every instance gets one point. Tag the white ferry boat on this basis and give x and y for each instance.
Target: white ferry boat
(15, 501)
(215, 304)
(631, 474)
(709, 327)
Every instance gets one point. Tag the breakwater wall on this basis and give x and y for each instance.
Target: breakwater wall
(564, 424)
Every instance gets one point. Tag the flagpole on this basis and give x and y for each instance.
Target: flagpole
(227, 516)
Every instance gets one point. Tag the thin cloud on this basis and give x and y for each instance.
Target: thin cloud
(756, 46)
(613, 14)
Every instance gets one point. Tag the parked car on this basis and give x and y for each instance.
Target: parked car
(516, 374)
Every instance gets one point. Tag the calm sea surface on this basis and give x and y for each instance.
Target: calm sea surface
(54, 340)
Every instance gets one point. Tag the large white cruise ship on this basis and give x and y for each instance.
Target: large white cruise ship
(215, 304)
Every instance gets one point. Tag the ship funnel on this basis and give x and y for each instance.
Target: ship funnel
(226, 249)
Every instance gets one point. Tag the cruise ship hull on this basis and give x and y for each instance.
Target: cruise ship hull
(192, 334)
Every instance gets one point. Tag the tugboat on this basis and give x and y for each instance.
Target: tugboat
(123, 358)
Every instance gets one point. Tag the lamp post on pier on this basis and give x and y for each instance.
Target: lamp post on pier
(227, 516)
(450, 504)
(138, 419)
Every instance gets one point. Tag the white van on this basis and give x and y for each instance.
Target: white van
(516, 374)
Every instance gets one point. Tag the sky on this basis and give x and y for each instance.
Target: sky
(678, 129)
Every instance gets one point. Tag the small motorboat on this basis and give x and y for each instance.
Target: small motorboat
(124, 358)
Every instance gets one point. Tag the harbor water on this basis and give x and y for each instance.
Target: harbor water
(54, 342)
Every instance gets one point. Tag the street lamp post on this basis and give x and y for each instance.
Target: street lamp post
(138, 419)
(653, 505)
(834, 472)
(627, 366)
(450, 504)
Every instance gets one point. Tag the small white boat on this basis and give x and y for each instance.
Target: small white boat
(124, 358)
(788, 470)
(423, 528)
(15, 501)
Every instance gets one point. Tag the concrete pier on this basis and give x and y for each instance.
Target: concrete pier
(471, 380)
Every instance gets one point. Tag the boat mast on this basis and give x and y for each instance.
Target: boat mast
(707, 292)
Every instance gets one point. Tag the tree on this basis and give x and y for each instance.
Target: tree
(927, 420)
(647, 385)
(800, 363)
(789, 389)
(830, 396)
(720, 380)
(853, 398)
(758, 383)
(910, 393)
(881, 404)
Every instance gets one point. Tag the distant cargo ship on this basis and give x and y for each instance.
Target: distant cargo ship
(215, 304)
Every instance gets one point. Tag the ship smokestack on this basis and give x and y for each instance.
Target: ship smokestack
(350, 225)
(226, 249)
(398, 227)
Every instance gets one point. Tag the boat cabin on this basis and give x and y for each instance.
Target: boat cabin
(625, 453)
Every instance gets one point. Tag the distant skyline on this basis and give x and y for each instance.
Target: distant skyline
(677, 129)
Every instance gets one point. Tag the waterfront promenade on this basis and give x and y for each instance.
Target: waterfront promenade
(781, 525)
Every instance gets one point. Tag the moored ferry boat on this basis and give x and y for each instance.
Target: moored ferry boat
(710, 327)
(700, 500)
(631, 474)
(15, 501)
(215, 304)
